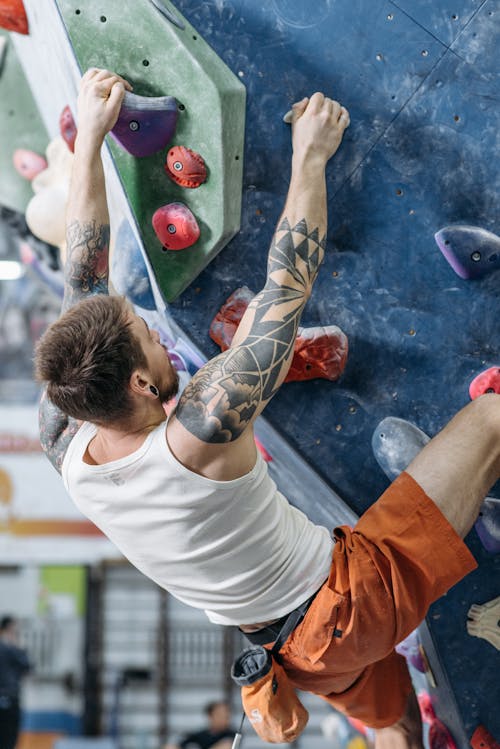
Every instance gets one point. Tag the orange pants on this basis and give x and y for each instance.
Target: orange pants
(401, 556)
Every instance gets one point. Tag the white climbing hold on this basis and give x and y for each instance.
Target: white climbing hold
(484, 621)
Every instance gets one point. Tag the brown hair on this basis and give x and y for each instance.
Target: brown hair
(87, 357)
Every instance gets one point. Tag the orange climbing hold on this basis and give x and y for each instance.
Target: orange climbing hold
(13, 16)
(482, 739)
(185, 167)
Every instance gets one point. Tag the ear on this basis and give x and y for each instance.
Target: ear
(139, 383)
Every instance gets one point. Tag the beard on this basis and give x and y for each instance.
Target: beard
(170, 389)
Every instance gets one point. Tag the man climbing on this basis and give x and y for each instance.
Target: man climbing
(189, 501)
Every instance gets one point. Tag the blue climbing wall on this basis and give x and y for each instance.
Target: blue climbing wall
(421, 81)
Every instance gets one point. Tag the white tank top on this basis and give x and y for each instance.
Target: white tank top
(236, 549)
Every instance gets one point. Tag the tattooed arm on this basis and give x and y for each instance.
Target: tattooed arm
(228, 393)
(87, 228)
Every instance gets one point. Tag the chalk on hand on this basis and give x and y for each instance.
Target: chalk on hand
(288, 117)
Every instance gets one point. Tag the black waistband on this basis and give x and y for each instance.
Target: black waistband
(269, 634)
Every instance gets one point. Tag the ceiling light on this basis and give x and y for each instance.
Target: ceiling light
(11, 270)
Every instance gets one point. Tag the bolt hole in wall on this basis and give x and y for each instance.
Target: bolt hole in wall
(103, 19)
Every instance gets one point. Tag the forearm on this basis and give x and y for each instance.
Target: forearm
(296, 251)
(87, 225)
(292, 260)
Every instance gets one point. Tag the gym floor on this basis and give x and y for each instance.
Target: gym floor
(421, 82)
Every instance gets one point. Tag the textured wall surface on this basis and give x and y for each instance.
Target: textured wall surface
(421, 81)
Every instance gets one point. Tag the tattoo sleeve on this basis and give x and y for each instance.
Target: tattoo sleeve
(56, 431)
(86, 270)
(85, 273)
(228, 393)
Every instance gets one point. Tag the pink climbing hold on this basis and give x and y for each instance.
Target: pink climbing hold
(260, 447)
(486, 382)
(67, 128)
(28, 163)
(439, 735)
(175, 226)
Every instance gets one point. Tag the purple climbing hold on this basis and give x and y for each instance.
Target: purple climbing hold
(471, 251)
(146, 124)
(488, 525)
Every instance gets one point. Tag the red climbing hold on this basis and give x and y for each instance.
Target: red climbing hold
(319, 352)
(13, 16)
(439, 735)
(486, 382)
(67, 128)
(175, 226)
(185, 167)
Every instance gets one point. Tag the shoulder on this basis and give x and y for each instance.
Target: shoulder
(56, 431)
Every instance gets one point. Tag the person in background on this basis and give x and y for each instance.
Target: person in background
(14, 664)
(217, 735)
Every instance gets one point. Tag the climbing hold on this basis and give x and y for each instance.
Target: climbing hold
(13, 16)
(175, 226)
(319, 352)
(484, 621)
(260, 447)
(482, 739)
(67, 128)
(146, 124)
(410, 649)
(28, 163)
(471, 251)
(185, 167)
(223, 326)
(129, 272)
(395, 442)
(488, 524)
(439, 736)
(486, 382)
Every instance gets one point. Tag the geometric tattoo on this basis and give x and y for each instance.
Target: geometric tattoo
(227, 393)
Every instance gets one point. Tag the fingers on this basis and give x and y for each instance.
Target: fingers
(344, 118)
(105, 79)
(117, 94)
(298, 109)
(317, 103)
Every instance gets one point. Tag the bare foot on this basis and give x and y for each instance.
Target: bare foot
(406, 733)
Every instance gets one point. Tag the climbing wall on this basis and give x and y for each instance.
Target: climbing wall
(421, 82)
(20, 126)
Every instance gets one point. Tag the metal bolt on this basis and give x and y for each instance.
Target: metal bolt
(134, 125)
(171, 229)
(178, 166)
(476, 256)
